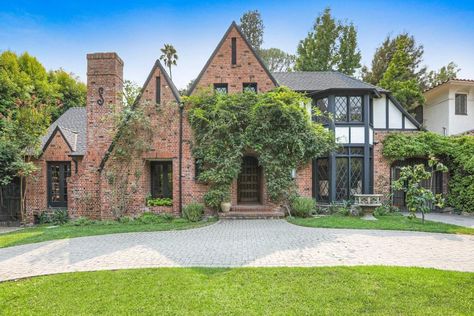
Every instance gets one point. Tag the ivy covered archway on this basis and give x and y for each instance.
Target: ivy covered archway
(276, 125)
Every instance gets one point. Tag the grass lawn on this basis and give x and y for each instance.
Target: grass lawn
(393, 222)
(43, 233)
(245, 291)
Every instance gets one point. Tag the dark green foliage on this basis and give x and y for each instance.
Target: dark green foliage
(151, 218)
(302, 206)
(277, 60)
(252, 26)
(55, 217)
(274, 125)
(445, 73)
(456, 152)
(193, 212)
(331, 45)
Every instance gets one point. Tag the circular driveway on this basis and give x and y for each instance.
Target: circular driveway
(240, 243)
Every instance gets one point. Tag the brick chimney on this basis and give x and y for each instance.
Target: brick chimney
(104, 98)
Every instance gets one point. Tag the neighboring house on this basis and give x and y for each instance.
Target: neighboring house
(449, 107)
(76, 151)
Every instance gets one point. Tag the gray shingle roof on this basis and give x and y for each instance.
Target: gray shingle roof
(320, 80)
(73, 125)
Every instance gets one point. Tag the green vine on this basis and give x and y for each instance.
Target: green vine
(275, 126)
(456, 152)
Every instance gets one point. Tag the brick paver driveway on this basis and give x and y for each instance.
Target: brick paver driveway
(240, 244)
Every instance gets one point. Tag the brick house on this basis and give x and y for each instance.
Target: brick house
(75, 163)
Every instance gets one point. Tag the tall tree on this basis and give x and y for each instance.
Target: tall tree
(24, 77)
(331, 45)
(348, 55)
(400, 78)
(450, 71)
(384, 54)
(316, 52)
(252, 26)
(169, 56)
(71, 92)
(277, 60)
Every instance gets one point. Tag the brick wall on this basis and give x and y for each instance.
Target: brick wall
(247, 68)
(36, 188)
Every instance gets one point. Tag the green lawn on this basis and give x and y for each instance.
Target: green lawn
(245, 291)
(394, 222)
(44, 232)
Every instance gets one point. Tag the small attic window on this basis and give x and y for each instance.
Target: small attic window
(158, 90)
(234, 50)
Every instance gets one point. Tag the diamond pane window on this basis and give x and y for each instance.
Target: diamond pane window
(340, 109)
(342, 177)
(221, 88)
(322, 193)
(356, 175)
(249, 87)
(355, 105)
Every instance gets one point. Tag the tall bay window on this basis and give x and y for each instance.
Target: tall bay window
(349, 172)
(161, 179)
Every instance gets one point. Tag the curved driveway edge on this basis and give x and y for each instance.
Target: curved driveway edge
(240, 243)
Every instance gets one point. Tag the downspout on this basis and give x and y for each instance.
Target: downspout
(180, 158)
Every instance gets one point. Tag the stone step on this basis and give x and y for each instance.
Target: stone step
(252, 215)
(251, 208)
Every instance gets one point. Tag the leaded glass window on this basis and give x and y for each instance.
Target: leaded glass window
(349, 172)
(249, 87)
(161, 179)
(58, 172)
(348, 109)
(355, 106)
(342, 177)
(322, 179)
(221, 88)
(340, 109)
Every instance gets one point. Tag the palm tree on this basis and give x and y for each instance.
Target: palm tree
(169, 56)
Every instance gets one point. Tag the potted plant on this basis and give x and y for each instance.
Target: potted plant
(226, 204)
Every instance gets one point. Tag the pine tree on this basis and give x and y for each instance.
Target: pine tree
(251, 25)
(316, 52)
(399, 77)
(348, 56)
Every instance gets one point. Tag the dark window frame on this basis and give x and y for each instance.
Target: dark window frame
(234, 50)
(348, 110)
(350, 153)
(163, 170)
(460, 108)
(158, 90)
(64, 169)
(250, 85)
(218, 86)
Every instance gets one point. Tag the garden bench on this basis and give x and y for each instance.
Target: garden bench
(368, 203)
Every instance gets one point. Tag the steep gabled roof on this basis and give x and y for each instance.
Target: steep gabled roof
(214, 53)
(137, 101)
(72, 124)
(314, 81)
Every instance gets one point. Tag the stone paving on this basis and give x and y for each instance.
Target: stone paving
(240, 243)
(460, 220)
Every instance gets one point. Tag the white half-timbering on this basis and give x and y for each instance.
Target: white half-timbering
(388, 114)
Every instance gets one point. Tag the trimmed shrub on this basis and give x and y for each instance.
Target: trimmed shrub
(149, 218)
(303, 206)
(193, 212)
(82, 221)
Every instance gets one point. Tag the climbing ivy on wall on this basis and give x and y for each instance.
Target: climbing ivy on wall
(456, 152)
(275, 126)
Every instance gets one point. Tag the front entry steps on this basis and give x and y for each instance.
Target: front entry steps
(252, 212)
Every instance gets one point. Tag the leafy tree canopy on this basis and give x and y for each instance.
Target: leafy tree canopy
(450, 71)
(277, 60)
(331, 45)
(252, 26)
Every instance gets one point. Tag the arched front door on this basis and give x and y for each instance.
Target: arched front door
(249, 181)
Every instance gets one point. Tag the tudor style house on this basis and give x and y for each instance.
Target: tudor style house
(75, 162)
(449, 108)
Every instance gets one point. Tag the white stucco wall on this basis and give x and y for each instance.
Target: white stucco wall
(380, 117)
(439, 110)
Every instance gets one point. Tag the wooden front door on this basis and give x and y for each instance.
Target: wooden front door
(248, 183)
(10, 201)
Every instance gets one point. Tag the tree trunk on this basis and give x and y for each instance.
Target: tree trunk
(422, 217)
(171, 76)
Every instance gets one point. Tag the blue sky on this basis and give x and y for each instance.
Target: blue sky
(61, 33)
